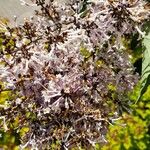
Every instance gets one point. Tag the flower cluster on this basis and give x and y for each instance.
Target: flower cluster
(68, 70)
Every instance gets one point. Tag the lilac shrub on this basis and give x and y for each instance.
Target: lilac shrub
(68, 70)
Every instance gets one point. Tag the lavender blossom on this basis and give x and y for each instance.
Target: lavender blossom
(69, 71)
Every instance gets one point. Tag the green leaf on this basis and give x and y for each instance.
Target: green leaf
(84, 52)
(145, 80)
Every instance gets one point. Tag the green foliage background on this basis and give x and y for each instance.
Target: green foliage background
(132, 132)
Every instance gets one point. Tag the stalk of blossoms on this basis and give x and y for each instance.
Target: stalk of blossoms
(68, 71)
